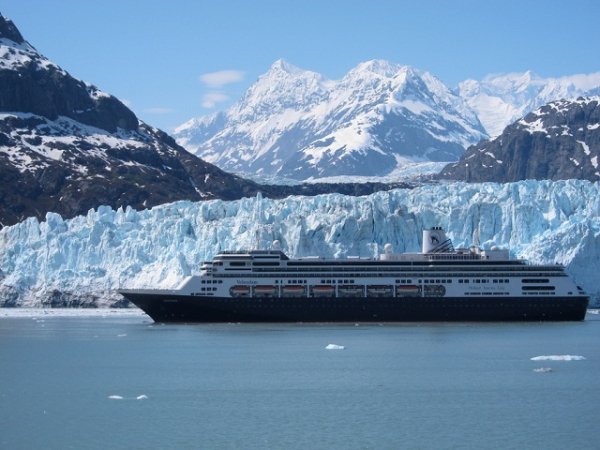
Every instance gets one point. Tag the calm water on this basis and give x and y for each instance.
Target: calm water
(413, 386)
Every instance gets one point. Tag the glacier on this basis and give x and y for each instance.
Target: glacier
(82, 261)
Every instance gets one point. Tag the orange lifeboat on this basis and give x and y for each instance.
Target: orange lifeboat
(323, 290)
(239, 291)
(265, 290)
(293, 289)
(408, 290)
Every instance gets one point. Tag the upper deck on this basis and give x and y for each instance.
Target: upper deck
(438, 255)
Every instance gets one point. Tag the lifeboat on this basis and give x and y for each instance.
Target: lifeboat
(379, 291)
(265, 290)
(240, 291)
(323, 290)
(351, 291)
(408, 290)
(294, 290)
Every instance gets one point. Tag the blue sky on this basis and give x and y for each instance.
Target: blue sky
(158, 56)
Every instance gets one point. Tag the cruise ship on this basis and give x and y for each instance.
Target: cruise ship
(439, 284)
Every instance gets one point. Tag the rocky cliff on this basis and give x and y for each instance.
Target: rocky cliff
(559, 141)
(66, 146)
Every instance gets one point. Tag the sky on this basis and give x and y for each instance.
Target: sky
(173, 60)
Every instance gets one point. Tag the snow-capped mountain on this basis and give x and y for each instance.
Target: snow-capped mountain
(66, 146)
(499, 100)
(83, 260)
(297, 124)
(559, 141)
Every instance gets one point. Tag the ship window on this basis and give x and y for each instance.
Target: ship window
(538, 288)
(237, 263)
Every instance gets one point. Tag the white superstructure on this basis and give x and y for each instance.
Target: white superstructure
(439, 271)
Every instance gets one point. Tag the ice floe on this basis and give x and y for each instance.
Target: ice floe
(558, 358)
(543, 369)
(334, 347)
(120, 397)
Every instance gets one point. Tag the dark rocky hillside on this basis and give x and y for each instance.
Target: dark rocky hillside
(559, 141)
(66, 146)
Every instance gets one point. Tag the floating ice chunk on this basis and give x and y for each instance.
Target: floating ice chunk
(543, 369)
(335, 347)
(121, 335)
(593, 311)
(115, 397)
(142, 397)
(557, 358)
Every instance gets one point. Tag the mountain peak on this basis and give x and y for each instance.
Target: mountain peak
(381, 67)
(513, 81)
(379, 116)
(282, 65)
(8, 30)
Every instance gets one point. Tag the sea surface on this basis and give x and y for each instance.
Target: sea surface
(119, 381)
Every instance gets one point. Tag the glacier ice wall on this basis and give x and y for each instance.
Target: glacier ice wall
(80, 262)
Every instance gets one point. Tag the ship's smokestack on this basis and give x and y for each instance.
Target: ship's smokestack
(436, 241)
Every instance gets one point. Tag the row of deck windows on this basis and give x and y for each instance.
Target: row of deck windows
(483, 281)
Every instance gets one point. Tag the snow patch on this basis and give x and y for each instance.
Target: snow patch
(586, 148)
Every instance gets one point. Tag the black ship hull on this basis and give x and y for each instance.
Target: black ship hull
(175, 308)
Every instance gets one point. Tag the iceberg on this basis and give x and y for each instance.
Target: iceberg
(82, 261)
